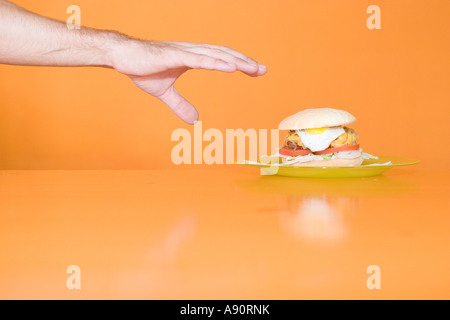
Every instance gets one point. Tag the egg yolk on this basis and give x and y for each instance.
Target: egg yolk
(316, 130)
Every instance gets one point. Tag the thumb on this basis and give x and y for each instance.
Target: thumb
(179, 105)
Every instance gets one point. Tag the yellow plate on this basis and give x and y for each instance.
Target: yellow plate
(365, 170)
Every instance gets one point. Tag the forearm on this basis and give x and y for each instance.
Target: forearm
(30, 39)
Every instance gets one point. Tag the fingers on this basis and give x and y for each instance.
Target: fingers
(202, 61)
(262, 69)
(180, 106)
(249, 67)
(243, 63)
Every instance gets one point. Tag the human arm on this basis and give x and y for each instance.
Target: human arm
(27, 38)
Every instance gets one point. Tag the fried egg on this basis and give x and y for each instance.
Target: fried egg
(319, 139)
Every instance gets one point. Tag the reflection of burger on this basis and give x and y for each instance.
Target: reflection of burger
(319, 138)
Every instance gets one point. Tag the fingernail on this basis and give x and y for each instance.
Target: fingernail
(262, 67)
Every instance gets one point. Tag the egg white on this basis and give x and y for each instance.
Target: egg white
(319, 142)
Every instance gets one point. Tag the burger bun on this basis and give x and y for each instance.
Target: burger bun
(317, 118)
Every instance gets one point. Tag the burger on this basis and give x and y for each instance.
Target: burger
(321, 138)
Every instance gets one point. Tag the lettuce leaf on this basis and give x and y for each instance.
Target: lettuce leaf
(365, 155)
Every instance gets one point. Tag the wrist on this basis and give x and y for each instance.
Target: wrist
(107, 44)
(128, 55)
(118, 50)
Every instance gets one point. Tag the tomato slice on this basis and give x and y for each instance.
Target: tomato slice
(294, 153)
(333, 150)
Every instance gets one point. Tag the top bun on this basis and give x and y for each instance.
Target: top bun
(316, 118)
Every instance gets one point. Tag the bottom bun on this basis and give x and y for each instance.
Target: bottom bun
(338, 162)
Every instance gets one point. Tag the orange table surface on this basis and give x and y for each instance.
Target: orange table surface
(223, 233)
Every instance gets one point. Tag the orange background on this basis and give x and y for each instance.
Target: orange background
(319, 54)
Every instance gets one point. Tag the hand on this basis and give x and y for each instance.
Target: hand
(154, 66)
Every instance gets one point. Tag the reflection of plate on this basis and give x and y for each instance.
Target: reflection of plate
(367, 169)
(379, 186)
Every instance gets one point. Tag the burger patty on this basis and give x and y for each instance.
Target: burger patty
(290, 145)
(293, 142)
